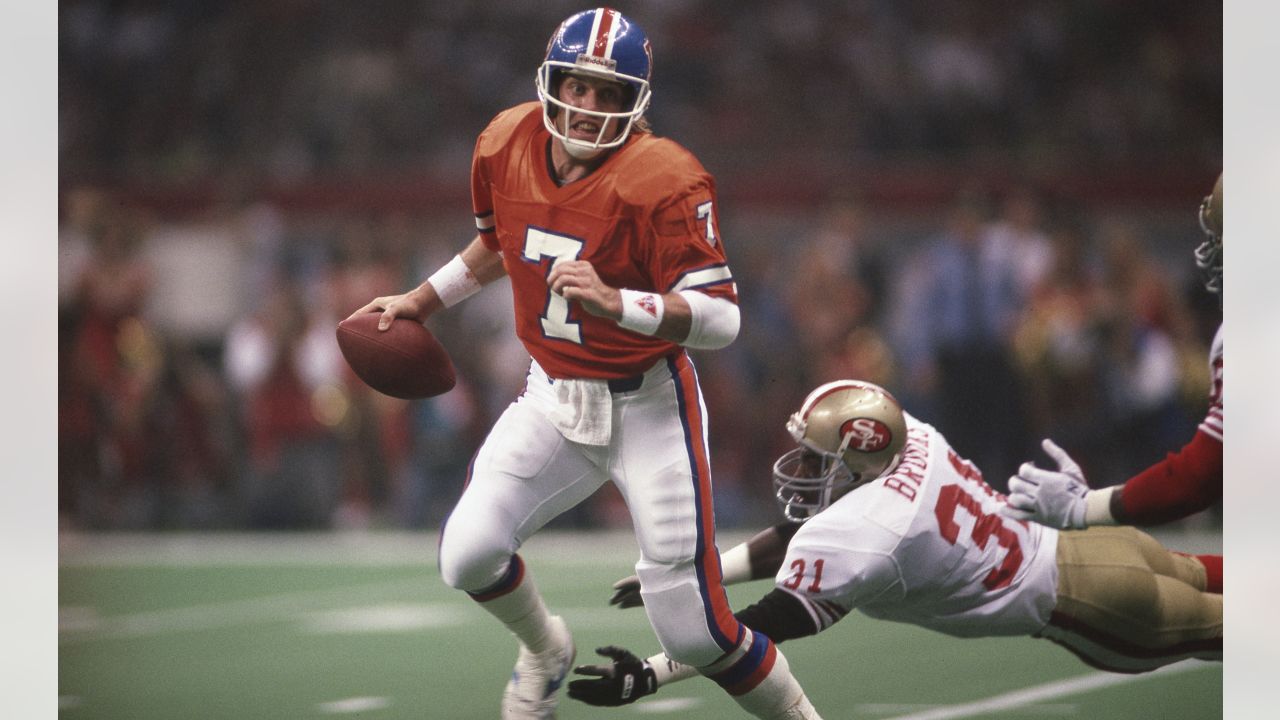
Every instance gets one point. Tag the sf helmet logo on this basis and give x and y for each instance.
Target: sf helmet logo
(866, 434)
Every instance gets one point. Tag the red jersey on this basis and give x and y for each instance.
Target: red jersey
(1189, 480)
(645, 219)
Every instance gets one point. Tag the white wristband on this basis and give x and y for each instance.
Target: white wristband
(1097, 507)
(454, 282)
(735, 565)
(641, 311)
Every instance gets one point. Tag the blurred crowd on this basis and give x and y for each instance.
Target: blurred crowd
(997, 320)
(288, 88)
(200, 384)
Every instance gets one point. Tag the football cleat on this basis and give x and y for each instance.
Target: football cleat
(534, 689)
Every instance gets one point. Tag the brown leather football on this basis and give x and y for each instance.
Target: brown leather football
(404, 361)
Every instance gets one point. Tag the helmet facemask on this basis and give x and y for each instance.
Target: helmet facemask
(548, 81)
(1209, 252)
(806, 481)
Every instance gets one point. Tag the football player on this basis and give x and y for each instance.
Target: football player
(609, 238)
(1182, 484)
(896, 524)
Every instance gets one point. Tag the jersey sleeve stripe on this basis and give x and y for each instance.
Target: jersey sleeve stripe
(715, 275)
(485, 222)
(1212, 425)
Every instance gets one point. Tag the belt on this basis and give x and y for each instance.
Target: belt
(626, 384)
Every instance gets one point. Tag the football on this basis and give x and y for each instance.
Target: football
(404, 361)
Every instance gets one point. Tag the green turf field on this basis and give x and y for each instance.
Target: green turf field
(242, 627)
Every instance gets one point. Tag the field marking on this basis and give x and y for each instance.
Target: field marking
(666, 705)
(353, 705)
(384, 618)
(1049, 691)
(1046, 709)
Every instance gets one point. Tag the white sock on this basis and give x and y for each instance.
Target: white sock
(524, 614)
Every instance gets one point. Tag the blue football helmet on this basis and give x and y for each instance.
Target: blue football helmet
(603, 44)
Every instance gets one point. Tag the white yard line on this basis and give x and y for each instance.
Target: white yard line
(350, 706)
(1048, 691)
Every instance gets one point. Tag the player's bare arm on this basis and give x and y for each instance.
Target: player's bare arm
(476, 264)
(577, 280)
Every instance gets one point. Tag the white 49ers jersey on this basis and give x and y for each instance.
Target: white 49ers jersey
(925, 545)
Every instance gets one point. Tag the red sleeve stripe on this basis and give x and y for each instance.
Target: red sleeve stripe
(1212, 423)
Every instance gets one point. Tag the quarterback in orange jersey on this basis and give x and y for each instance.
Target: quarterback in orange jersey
(1184, 483)
(609, 237)
(644, 220)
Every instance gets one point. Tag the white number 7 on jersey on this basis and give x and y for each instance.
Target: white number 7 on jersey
(704, 213)
(539, 244)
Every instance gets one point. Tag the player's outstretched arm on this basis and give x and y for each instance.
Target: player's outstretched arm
(780, 615)
(1058, 498)
(622, 681)
(1183, 483)
(756, 559)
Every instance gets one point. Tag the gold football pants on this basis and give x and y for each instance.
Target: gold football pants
(1128, 604)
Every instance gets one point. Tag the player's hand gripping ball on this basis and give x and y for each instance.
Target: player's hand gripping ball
(404, 361)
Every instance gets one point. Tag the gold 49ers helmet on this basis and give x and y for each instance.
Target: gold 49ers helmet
(850, 433)
(1209, 253)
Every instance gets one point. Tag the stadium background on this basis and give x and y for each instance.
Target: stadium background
(236, 177)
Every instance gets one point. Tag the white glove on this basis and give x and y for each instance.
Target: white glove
(1049, 497)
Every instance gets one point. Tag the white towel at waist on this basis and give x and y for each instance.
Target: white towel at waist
(583, 411)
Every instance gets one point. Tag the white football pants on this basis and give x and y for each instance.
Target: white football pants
(527, 473)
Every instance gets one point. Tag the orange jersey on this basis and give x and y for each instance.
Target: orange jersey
(645, 219)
